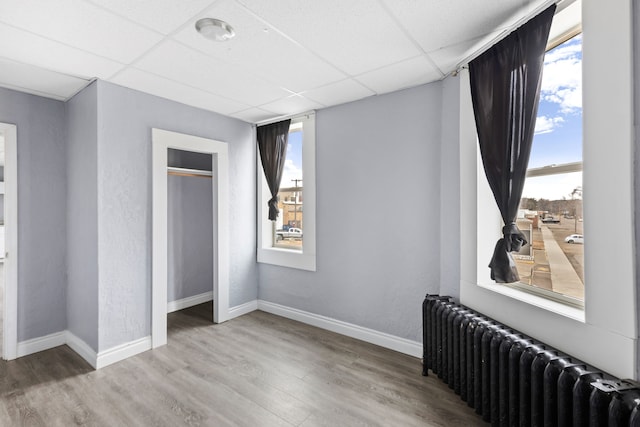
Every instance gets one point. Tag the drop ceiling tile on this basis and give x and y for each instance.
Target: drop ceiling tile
(448, 58)
(413, 72)
(163, 16)
(182, 64)
(355, 36)
(338, 93)
(29, 48)
(254, 115)
(159, 86)
(38, 81)
(436, 24)
(82, 25)
(263, 51)
(290, 105)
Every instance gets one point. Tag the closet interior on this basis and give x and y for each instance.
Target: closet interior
(190, 227)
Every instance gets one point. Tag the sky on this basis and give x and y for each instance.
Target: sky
(293, 163)
(558, 134)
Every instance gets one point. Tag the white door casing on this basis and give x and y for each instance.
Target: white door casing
(162, 140)
(10, 309)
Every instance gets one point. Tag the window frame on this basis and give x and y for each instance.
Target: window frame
(304, 259)
(604, 333)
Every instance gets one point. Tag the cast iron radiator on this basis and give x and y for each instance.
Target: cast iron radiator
(513, 380)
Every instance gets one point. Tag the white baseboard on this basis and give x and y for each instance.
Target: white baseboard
(39, 344)
(123, 351)
(241, 309)
(83, 349)
(189, 301)
(402, 345)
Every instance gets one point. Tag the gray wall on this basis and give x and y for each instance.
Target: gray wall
(378, 215)
(82, 215)
(42, 211)
(450, 189)
(190, 244)
(125, 120)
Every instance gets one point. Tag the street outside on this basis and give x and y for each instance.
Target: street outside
(574, 252)
(538, 271)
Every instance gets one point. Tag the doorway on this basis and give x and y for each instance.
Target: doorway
(162, 141)
(8, 241)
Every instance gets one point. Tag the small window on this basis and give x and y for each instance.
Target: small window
(551, 207)
(290, 240)
(291, 220)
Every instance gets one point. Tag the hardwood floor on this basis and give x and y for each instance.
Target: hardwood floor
(255, 370)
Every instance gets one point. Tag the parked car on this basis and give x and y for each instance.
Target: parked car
(291, 233)
(550, 220)
(574, 238)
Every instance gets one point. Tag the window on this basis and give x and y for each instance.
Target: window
(552, 263)
(287, 229)
(290, 240)
(603, 333)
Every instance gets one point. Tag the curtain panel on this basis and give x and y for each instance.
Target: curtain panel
(272, 144)
(505, 89)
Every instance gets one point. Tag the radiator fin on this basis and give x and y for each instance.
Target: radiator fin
(511, 379)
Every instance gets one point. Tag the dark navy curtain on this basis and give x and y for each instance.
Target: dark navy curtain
(505, 89)
(272, 144)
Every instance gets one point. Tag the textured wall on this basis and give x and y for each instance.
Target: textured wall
(450, 189)
(378, 215)
(125, 120)
(190, 232)
(82, 215)
(42, 211)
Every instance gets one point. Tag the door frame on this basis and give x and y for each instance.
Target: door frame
(162, 140)
(10, 299)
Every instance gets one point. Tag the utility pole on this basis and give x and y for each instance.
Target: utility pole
(295, 202)
(577, 190)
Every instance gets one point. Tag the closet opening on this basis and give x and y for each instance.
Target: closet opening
(190, 221)
(190, 217)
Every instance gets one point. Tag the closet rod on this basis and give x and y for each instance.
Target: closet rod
(188, 172)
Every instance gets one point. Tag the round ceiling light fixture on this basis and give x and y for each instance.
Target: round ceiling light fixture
(215, 29)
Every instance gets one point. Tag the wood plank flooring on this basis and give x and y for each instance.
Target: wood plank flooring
(255, 370)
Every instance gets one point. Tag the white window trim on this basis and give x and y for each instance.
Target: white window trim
(606, 333)
(292, 258)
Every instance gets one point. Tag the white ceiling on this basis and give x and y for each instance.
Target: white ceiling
(288, 56)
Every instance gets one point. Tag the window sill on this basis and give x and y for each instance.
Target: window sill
(559, 308)
(287, 258)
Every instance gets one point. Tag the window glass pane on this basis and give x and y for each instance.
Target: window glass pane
(551, 207)
(558, 134)
(290, 223)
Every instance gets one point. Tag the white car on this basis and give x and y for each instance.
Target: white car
(292, 233)
(574, 238)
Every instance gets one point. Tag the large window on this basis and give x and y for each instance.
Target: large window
(290, 240)
(551, 207)
(604, 333)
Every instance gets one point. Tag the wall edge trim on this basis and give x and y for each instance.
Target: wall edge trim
(83, 349)
(382, 339)
(242, 309)
(123, 351)
(36, 345)
(189, 301)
